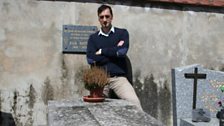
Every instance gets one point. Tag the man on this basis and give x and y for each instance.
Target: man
(107, 48)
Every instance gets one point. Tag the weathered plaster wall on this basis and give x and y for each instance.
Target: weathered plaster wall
(33, 70)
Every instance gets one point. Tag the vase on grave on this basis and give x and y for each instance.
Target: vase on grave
(221, 119)
(220, 116)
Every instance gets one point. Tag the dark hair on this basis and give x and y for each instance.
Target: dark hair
(104, 7)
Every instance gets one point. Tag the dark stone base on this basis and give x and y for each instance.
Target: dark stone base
(188, 122)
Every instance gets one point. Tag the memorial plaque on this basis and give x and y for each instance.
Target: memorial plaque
(75, 38)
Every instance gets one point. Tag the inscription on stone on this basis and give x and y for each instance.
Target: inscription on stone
(75, 38)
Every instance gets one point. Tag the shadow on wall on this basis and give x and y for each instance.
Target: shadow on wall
(153, 4)
(6, 119)
(128, 70)
(155, 100)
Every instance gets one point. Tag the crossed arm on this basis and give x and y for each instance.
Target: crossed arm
(102, 56)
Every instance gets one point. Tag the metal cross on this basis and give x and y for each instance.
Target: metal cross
(195, 76)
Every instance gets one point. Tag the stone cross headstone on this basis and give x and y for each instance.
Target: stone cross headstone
(208, 92)
(195, 76)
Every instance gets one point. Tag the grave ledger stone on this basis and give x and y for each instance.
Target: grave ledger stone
(75, 38)
(208, 93)
(112, 112)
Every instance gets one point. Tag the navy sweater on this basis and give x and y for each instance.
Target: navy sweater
(112, 58)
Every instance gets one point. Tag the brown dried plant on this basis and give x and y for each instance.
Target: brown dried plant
(95, 77)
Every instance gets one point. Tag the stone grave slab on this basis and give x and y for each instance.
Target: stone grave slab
(112, 112)
(208, 92)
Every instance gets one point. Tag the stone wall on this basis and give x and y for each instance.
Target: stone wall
(33, 69)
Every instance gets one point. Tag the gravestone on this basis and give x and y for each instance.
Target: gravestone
(112, 112)
(208, 92)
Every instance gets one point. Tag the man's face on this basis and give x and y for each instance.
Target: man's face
(105, 18)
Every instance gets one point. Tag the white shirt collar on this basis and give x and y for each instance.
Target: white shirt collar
(104, 34)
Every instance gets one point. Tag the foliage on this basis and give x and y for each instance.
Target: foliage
(95, 77)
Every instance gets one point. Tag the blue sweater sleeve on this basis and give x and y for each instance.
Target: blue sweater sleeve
(92, 58)
(118, 51)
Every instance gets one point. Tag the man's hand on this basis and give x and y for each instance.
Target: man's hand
(120, 43)
(99, 52)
